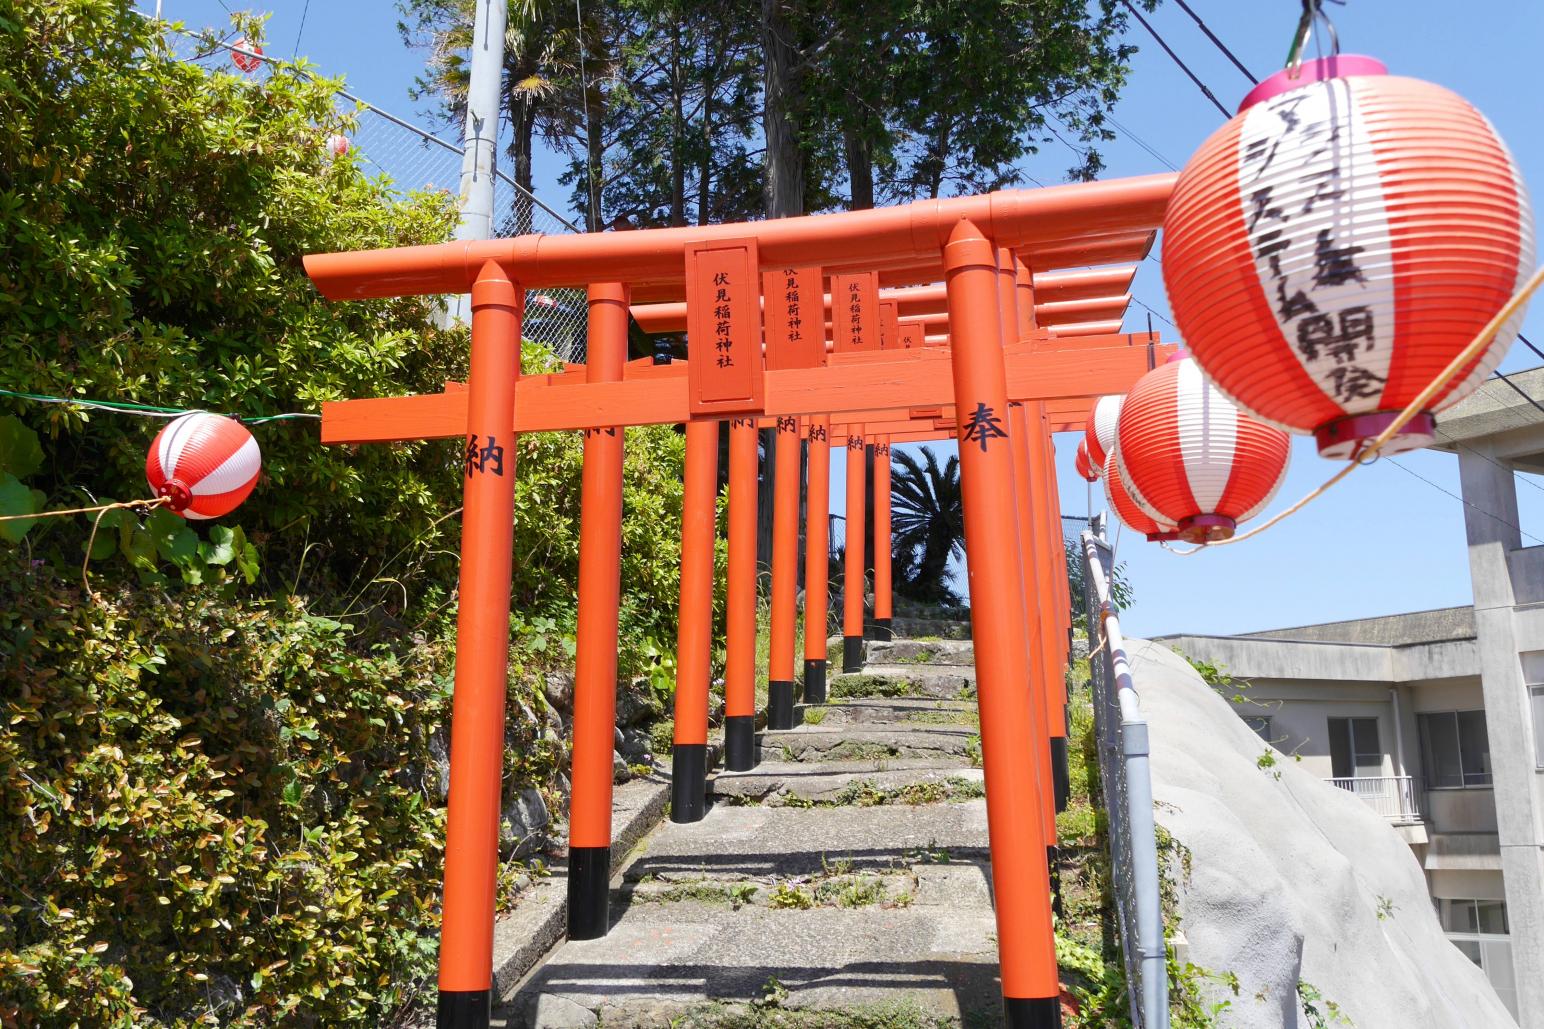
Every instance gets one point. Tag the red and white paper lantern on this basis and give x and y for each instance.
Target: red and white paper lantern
(1080, 462)
(206, 464)
(1126, 509)
(1099, 436)
(1190, 458)
(337, 145)
(1339, 242)
(246, 56)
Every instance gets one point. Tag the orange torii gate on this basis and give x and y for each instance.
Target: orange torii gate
(971, 243)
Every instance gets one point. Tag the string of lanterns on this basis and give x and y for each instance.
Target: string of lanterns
(1330, 253)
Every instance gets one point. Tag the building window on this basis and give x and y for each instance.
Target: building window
(1261, 724)
(1456, 749)
(1354, 748)
(1479, 929)
(1536, 696)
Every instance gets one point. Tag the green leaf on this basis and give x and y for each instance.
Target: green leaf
(17, 499)
(20, 452)
(292, 793)
(137, 545)
(246, 556)
(174, 540)
(221, 549)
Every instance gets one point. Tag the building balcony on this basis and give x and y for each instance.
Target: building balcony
(1392, 796)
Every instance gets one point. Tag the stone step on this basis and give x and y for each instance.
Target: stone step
(899, 711)
(940, 682)
(713, 926)
(800, 783)
(922, 652)
(867, 742)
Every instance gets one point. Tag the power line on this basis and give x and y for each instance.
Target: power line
(303, 12)
(1520, 391)
(1219, 43)
(1530, 346)
(1176, 58)
(1461, 500)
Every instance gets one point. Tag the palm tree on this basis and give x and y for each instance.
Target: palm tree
(927, 524)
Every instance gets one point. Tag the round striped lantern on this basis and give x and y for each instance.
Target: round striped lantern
(1190, 458)
(246, 55)
(1126, 509)
(205, 464)
(1080, 462)
(337, 145)
(1338, 243)
(1099, 436)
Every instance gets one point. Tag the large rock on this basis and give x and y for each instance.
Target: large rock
(1290, 881)
(523, 824)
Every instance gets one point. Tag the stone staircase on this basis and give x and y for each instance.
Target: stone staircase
(843, 877)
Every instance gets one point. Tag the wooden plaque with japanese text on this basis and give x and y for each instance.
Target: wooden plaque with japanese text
(793, 310)
(723, 327)
(855, 312)
(889, 325)
(913, 335)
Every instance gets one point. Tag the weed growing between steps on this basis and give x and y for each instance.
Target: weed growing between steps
(864, 686)
(865, 793)
(959, 716)
(767, 1012)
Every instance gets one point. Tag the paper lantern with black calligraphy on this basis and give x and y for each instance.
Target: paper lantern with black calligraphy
(1126, 509)
(246, 55)
(1080, 462)
(205, 464)
(1190, 458)
(1339, 242)
(1099, 435)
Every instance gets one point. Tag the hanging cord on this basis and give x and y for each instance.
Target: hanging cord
(138, 506)
(1370, 452)
(1313, 12)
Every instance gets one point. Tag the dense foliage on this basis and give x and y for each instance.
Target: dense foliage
(221, 761)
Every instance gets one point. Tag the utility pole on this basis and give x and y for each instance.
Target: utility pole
(480, 140)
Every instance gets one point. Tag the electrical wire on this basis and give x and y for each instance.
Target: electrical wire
(1219, 43)
(1489, 514)
(1176, 58)
(148, 410)
(303, 12)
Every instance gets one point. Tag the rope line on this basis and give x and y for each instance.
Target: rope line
(148, 410)
(104, 508)
(1447, 375)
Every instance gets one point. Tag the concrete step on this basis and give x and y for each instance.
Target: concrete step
(939, 682)
(703, 947)
(922, 652)
(867, 742)
(800, 783)
(900, 711)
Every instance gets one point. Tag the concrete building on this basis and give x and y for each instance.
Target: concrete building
(1436, 718)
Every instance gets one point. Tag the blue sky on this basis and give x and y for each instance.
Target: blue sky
(1383, 541)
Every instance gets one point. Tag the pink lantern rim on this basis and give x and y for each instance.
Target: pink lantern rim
(1342, 439)
(1336, 66)
(1206, 528)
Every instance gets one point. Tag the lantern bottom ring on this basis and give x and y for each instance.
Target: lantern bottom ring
(1162, 537)
(1206, 528)
(1345, 438)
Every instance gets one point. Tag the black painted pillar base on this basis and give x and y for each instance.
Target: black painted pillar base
(852, 653)
(1051, 853)
(688, 782)
(589, 892)
(882, 630)
(464, 1009)
(780, 705)
(1032, 1013)
(740, 742)
(1061, 782)
(814, 681)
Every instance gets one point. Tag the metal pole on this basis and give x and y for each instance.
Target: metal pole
(480, 138)
(595, 665)
(482, 656)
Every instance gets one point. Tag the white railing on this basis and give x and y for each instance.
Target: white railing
(1121, 732)
(1392, 796)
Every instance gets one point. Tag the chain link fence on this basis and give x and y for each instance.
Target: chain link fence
(1121, 735)
(414, 160)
